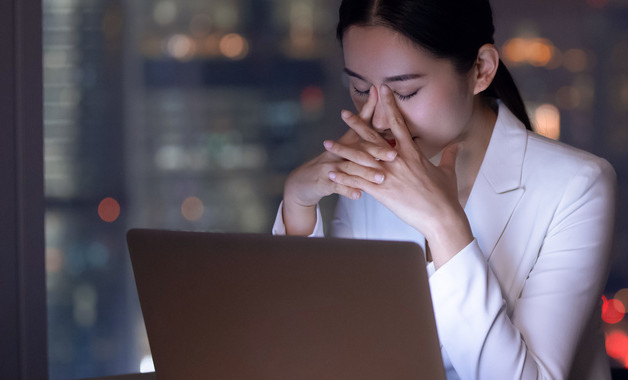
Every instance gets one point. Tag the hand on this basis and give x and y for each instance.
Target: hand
(306, 185)
(423, 195)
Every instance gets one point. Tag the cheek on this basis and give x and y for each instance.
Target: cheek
(358, 101)
(438, 117)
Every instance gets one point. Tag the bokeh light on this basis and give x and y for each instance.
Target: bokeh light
(547, 121)
(533, 51)
(181, 47)
(109, 210)
(165, 12)
(613, 310)
(616, 343)
(234, 46)
(192, 209)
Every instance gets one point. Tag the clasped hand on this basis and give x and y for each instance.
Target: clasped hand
(402, 178)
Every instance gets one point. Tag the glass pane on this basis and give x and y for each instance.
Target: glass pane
(189, 114)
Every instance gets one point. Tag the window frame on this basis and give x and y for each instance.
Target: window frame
(23, 318)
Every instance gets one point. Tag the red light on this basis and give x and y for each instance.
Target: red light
(613, 310)
(617, 346)
(109, 210)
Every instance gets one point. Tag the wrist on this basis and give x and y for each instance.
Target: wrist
(448, 236)
(298, 219)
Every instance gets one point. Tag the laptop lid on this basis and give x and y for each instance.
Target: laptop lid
(246, 306)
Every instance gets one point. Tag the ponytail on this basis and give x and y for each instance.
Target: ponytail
(505, 89)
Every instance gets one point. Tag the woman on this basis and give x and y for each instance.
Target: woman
(516, 228)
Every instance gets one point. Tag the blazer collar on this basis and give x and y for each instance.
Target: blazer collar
(497, 188)
(503, 161)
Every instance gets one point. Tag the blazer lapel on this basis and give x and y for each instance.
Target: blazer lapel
(497, 188)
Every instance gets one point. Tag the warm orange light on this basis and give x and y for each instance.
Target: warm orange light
(613, 310)
(534, 51)
(109, 210)
(547, 121)
(616, 343)
(514, 50)
(192, 209)
(234, 46)
(540, 52)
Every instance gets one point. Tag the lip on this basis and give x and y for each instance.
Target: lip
(392, 142)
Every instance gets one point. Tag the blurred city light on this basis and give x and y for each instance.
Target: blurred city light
(613, 310)
(547, 121)
(533, 51)
(109, 209)
(234, 46)
(192, 209)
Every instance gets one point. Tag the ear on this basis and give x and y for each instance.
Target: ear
(485, 67)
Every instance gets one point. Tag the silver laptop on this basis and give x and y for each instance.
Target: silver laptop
(246, 306)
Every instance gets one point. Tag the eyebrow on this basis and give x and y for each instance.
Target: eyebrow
(396, 78)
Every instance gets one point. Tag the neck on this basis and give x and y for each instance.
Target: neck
(474, 146)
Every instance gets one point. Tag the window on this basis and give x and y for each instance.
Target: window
(189, 115)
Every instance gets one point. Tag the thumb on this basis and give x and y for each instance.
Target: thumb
(448, 159)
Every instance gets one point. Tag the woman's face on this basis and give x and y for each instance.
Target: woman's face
(435, 100)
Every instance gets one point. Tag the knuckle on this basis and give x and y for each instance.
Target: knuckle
(346, 166)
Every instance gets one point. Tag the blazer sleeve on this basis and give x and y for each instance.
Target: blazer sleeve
(540, 338)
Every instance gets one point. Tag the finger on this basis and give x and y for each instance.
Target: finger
(395, 119)
(382, 153)
(370, 174)
(364, 130)
(340, 189)
(448, 159)
(350, 181)
(348, 153)
(366, 113)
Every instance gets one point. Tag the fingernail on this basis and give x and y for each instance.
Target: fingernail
(332, 175)
(391, 155)
(379, 178)
(355, 195)
(345, 114)
(327, 144)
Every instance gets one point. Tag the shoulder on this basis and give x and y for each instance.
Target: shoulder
(557, 163)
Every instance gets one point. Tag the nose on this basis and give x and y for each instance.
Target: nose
(379, 120)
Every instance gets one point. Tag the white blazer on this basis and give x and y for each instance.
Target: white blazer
(522, 301)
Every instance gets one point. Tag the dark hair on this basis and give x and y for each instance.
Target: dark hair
(451, 29)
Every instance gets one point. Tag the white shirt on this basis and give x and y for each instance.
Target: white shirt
(522, 300)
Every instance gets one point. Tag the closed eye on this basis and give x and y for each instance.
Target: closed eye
(360, 93)
(406, 97)
(401, 97)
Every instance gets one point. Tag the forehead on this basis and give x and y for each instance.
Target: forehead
(376, 52)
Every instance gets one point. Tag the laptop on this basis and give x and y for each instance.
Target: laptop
(253, 306)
